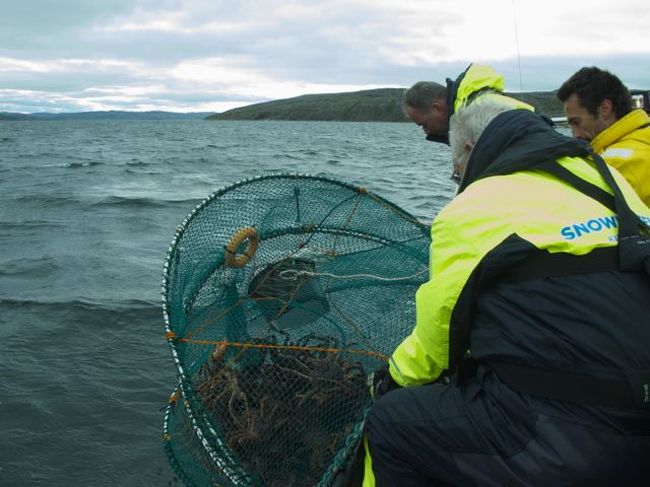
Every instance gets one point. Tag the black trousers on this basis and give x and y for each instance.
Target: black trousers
(484, 434)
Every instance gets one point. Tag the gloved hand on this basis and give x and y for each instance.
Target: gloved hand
(381, 382)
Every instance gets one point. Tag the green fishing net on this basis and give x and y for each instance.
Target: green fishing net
(281, 294)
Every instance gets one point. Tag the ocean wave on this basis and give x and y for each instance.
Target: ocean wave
(83, 305)
(138, 171)
(285, 156)
(25, 267)
(82, 164)
(29, 224)
(75, 164)
(137, 163)
(201, 159)
(48, 200)
(145, 202)
(215, 146)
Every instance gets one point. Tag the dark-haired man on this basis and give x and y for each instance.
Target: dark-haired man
(599, 110)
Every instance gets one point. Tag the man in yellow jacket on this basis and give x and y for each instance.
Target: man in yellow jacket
(599, 110)
(430, 105)
(537, 308)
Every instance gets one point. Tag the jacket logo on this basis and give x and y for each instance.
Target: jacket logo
(577, 230)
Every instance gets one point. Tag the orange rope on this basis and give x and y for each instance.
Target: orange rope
(226, 343)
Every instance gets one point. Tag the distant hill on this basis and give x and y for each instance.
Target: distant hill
(544, 102)
(13, 116)
(107, 115)
(379, 105)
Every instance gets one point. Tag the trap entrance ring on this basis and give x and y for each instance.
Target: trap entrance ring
(324, 294)
(288, 294)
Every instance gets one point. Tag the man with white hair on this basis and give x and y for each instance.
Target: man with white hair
(537, 308)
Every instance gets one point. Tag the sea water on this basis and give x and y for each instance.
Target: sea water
(87, 213)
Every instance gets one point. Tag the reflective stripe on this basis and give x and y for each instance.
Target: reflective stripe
(613, 152)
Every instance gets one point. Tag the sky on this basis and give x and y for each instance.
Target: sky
(214, 55)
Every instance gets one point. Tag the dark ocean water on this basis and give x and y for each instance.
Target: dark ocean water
(87, 213)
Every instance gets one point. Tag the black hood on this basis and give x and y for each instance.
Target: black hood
(517, 140)
(442, 139)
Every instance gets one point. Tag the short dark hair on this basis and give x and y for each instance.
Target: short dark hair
(592, 85)
(422, 94)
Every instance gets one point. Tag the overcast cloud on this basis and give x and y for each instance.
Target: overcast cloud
(211, 55)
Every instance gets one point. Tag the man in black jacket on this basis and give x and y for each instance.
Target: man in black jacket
(538, 306)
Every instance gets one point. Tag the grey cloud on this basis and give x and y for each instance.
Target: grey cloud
(537, 73)
(63, 82)
(338, 45)
(42, 24)
(548, 73)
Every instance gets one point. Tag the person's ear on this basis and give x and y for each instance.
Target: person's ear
(439, 106)
(606, 109)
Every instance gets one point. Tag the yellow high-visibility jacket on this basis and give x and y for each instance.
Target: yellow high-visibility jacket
(476, 84)
(480, 83)
(625, 145)
(501, 210)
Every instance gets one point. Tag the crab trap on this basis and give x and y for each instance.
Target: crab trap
(281, 294)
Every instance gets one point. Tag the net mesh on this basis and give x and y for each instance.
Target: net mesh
(281, 294)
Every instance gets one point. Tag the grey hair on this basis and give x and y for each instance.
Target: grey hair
(422, 94)
(468, 123)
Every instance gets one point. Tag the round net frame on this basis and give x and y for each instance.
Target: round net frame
(281, 295)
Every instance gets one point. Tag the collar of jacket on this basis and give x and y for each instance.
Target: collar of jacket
(627, 124)
(442, 139)
(452, 91)
(518, 140)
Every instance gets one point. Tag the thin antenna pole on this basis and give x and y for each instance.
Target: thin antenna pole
(521, 81)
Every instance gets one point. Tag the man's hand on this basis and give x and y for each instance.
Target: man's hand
(381, 382)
